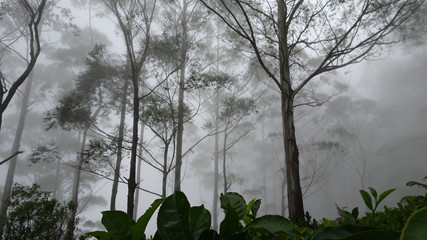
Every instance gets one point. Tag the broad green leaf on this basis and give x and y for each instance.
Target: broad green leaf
(255, 207)
(367, 199)
(230, 224)
(271, 224)
(339, 232)
(385, 194)
(234, 201)
(100, 235)
(200, 220)
(141, 224)
(251, 210)
(172, 220)
(373, 193)
(416, 226)
(355, 212)
(118, 224)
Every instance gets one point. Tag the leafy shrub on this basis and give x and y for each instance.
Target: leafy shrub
(177, 220)
(33, 214)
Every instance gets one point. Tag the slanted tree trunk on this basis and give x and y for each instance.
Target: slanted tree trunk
(15, 148)
(180, 131)
(119, 145)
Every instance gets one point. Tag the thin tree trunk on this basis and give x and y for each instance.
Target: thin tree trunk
(165, 170)
(138, 170)
(15, 148)
(71, 224)
(216, 165)
(216, 157)
(119, 145)
(282, 193)
(132, 170)
(295, 202)
(224, 159)
(180, 130)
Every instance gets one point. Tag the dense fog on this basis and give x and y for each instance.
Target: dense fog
(360, 126)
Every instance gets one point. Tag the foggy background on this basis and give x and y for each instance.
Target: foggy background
(371, 131)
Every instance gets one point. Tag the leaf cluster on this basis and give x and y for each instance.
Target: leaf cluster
(34, 214)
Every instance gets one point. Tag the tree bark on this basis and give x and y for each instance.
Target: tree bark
(295, 202)
(165, 170)
(132, 170)
(180, 130)
(216, 166)
(224, 159)
(119, 145)
(71, 224)
(15, 148)
(138, 170)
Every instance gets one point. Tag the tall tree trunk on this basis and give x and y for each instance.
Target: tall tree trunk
(224, 159)
(71, 224)
(165, 170)
(295, 202)
(119, 145)
(15, 148)
(138, 170)
(216, 166)
(180, 130)
(132, 170)
(282, 193)
(216, 153)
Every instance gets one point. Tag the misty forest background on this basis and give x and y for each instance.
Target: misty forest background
(361, 126)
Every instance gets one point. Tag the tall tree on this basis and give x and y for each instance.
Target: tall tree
(134, 19)
(79, 110)
(294, 41)
(15, 149)
(120, 141)
(233, 112)
(25, 18)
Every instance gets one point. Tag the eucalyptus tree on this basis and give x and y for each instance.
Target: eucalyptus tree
(160, 116)
(79, 110)
(232, 114)
(295, 41)
(23, 19)
(186, 20)
(134, 19)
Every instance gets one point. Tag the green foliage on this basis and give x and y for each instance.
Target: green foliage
(373, 203)
(418, 184)
(75, 107)
(178, 220)
(33, 214)
(120, 226)
(347, 217)
(415, 229)
(235, 109)
(209, 81)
